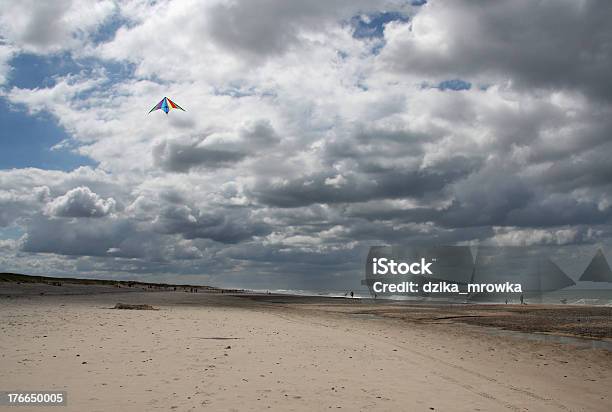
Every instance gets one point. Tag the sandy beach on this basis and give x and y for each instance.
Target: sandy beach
(211, 351)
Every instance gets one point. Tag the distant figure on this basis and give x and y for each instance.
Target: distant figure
(375, 296)
(522, 300)
(175, 288)
(506, 301)
(351, 293)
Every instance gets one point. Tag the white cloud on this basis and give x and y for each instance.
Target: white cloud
(6, 54)
(51, 26)
(8, 244)
(306, 149)
(509, 236)
(80, 202)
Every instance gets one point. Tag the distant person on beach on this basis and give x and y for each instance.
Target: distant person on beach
(522, 300)
(351, 293)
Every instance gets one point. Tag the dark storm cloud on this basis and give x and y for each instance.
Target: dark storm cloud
(74, 237)
(292, 268)
(497, 195)
(14, 207)
(494, 197)
(383, 165)
(389, 233)
(277, 24)
(547, 44)
(591, 168)
(181, 157)
(259, 134)
(539, 213)
(290, 256)
(486, 198)
(367, 143)
(111, 238)
(386, 184)
(224, 226)
(557, 210)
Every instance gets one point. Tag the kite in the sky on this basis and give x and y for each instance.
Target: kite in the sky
(166, 104)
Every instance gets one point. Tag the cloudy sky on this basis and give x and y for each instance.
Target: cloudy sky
(313, 130)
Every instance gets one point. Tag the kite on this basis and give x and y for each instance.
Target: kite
(166, 104)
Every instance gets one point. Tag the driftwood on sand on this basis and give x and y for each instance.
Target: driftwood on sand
(133, 307)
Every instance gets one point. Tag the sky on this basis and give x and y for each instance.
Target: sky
(312, 131)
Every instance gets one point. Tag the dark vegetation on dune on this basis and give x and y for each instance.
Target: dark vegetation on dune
(19, 278)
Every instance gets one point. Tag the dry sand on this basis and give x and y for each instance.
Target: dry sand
(219, 352)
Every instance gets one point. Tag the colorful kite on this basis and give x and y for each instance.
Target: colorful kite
(166, 104)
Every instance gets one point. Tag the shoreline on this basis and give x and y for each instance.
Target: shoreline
(575, 321)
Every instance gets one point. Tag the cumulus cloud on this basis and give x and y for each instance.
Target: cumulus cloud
(509, 236)
(313, 130)
(226, 227)
(175, 156)
(73, 238)
(80, 202)
(563, 44)
(216, 150)
(43, 27)
(280, 24)
(379, 184)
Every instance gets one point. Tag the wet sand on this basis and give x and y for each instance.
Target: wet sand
(222, 352)
(594, 322)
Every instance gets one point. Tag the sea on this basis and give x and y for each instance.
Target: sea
(583, 293)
